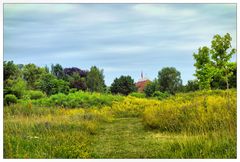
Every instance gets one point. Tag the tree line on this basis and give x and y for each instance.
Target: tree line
(213, 71)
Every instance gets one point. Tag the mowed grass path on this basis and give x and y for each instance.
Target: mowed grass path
(127, 138)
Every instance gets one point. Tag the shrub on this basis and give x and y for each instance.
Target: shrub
(78, 99)
(10, 99)
(138, 95)
(34, 94)
(160, 95)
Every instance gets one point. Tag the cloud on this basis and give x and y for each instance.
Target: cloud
(121, 38)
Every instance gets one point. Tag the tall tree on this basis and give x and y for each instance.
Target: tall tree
(204, 69)
(221, 53)
(123, 85)
(151, 87)
(10, 70)
(57, 70)
(95, 80)
(32, 73)
(169, 80)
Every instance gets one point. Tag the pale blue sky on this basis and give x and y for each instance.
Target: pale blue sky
(122, 39)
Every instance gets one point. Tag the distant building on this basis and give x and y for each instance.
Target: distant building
(142, 82)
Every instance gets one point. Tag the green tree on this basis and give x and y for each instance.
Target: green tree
(32, 73)
(192, 85)
(10, 70)
(49, 84)
(123, 85)
(15, 86)
(204, 69)
(78, 82)
(95, 80)
(233, 78)
(57, 70)
(169, 80)
(221, 53)
(151, 87)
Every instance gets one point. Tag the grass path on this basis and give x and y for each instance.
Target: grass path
(127, 138)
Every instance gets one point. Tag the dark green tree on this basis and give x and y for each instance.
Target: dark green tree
(123, 85)
(95, 80)
(78, 82)
(169, 80)
(57, 71)
(151, 87)
(10, 70)
(192, 85)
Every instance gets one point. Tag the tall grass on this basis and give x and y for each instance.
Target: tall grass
(194, 113)
(200, 124)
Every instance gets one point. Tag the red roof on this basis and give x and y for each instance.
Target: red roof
(141, 84)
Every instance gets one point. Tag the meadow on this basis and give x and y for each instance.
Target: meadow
(199, 124)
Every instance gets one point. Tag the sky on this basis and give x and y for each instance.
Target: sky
(121, 39)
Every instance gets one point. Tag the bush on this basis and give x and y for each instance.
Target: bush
(78, 100)
(10, 99)
(34, 94)
(160, 95)
(138, 95)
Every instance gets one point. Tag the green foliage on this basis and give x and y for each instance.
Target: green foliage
(160, 95)
(204, 70)
(32, 73)
(215, 71)
(221, 53)
(17, 87)
(151, 87)
(78, 100)
(169, 80)
(78, 82)
(34, 94)
(10, 99)
(95, 80)
(192, 86)
(10, 70)
(51, 85)
(123, 85)
(138, 95)
(57, 71)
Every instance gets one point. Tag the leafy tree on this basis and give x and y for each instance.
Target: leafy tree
(192, 86)
(95, 80)
(51, 85)
(221, 53)
(233, 78)
(123, 85)
(71, 71)
(57, 70)
(32, 73)
(77, 82)
(151, 87)
(204, 69)
(216, 71)
(169, 80)
(10, 70)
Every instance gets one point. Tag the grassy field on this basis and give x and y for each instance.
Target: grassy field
(193, 125)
